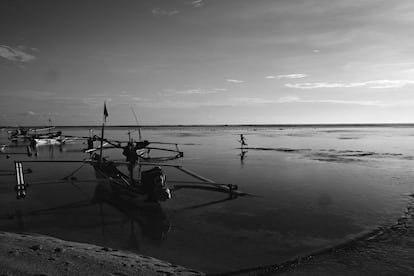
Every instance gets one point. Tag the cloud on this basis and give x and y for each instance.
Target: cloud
(176, 103)
(194, 91)
(201, 91)
(14, 54)
(197, 3)
(288, 99)
(28, 113)
(294, 99)
(234, 81)
(94, 101)
(292, 76)
(159, 11)
(251, 100)
(142, 100)
(378, 84)
(289, 76)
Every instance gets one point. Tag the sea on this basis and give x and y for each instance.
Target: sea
(308, 187)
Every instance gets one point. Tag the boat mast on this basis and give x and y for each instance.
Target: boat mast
(50, 125)
(139, 128)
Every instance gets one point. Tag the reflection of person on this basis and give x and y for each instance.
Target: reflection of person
(243, 155)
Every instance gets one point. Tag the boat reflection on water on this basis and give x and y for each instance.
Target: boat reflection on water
(153, 224)
(149, 215)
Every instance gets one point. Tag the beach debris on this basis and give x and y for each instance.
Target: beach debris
(59, 250)
(13, 252)
(36, 247)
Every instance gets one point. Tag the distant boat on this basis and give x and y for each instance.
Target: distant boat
(22, 134)
(50, 141)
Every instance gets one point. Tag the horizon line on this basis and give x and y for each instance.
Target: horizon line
(224, 125)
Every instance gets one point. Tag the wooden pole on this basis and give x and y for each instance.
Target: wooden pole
(105, 114)
(101, 147)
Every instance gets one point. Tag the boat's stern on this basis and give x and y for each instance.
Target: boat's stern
(154, 182)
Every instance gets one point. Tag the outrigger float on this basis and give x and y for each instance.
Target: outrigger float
(152, 183)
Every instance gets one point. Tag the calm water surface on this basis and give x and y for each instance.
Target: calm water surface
(315, 187)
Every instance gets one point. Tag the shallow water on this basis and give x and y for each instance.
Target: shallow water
(315, 187)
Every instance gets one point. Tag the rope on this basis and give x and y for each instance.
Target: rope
(72, 173)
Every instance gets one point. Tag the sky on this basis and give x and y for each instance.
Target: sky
(206, 61)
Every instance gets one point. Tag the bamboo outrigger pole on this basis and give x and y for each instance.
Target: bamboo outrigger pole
(105, 114)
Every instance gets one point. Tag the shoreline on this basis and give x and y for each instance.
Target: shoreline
(363, 254)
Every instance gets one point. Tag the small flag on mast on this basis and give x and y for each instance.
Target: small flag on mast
(105, 112)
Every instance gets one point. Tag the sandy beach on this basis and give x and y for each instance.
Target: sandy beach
(31, 254)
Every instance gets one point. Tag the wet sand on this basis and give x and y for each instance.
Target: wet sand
(387, 250)
(31, 254)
